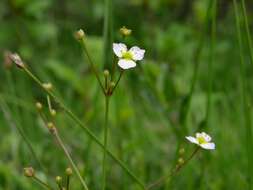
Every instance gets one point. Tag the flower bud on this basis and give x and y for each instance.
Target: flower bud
(53, 112)
(47, 86)
(112, 85)
(79, 35)
(29, 172)
(180, 161)
(17, 60)
(69, 171)
(51, 128)
(38, 105)
(181, 151)
(125, 31)
(58, 179)
(106, 73)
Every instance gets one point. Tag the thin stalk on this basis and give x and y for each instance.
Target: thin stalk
(108, 34)
(246, 105)
(246, 24)
(196, 59)
(59, 186)
(49, 103)
(59, 140)
(92, 65)
(121, 74)
(210, 63)
(68, 183)
(42, 183)
(107, 99)
(173, 172)
(86, 130)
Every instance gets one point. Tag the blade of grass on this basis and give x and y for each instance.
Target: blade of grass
(246, 105)
(86, 129)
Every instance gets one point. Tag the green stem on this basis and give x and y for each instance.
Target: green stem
(120, 76)
(92, 65)
(246, 105)
(87, 130)
(49, 103)
(42, 183)
(59, 140)
(107, 99)
(68, 183)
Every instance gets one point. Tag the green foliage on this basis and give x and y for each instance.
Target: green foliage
(144, 121)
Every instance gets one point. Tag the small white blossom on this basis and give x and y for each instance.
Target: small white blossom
(127, 58)
(203, 140)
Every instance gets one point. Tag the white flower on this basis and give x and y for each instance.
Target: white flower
(127, 58)
(203, 140)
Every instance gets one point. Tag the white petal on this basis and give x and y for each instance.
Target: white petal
(126, 63)
(206, 137)
(198, 135)
(138, 53)
(208, 146)
(119, 49)
(192, 139)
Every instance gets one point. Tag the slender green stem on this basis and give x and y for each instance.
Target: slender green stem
(173, 171)
(87, 130)
(246, 105)
(246, 24)
(59, 186)
(49, 103)
(42, 183)
(92, 65)
(120, 76)
(59, 140)
(68, 183)
(107, 100)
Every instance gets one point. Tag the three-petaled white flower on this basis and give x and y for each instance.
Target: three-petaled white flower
(203, 140)
(127, 58)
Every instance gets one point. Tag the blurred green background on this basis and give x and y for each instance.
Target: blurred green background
(144, 117)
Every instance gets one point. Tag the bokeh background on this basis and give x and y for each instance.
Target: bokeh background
(145, 112)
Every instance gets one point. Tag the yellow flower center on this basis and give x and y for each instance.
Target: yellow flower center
(201, 140)
(127, 55)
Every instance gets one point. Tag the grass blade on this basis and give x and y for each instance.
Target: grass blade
(246, 106)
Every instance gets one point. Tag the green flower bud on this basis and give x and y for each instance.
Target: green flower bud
(58, 179)
(29, 172)
(79, 35)
(39, 105)
(69, 171)
(125, 31)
